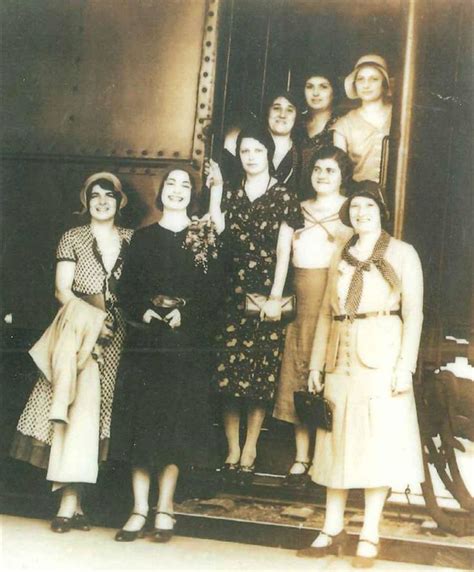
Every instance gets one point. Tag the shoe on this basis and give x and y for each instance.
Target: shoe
(298, 479)
(336, 547)
(365, 561)
(131, 535)
(61, 524)
(163, 534)
(246, 475)
(229, 472)
(80, 522)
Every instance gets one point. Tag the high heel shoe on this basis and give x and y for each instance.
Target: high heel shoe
(61, 524)
(246, 475)
(163, 534)
(80, 522)
(298, 479)
(336, 546)
(365, 561)
(131, 535)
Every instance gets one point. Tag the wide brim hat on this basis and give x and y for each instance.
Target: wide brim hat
(369, 189)
(373, 60)
(108, 177)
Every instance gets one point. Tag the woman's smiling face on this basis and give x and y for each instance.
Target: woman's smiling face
(318, 93)
(176, 192)
(102, 204)
(326, 177)
(369, 84)
(364, 214)
(281, 116)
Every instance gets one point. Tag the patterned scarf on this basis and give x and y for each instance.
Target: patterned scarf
(377, 259)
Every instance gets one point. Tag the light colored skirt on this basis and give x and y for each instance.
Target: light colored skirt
(309, 284)
(375, 441)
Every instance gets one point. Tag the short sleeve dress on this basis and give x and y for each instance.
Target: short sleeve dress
(250, 350)
(34, 430)
(364, 143)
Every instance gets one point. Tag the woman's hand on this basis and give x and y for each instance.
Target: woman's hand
(150, 315)
(271, 311)
(107, 332)
(315, 381)
(214, 175)
(173, 319)
(402, 381)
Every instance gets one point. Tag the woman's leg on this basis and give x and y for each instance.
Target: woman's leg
(70, 499)
(231, 427)
(255, 418)
(374, 502)
(302, 441)
(334, 519)
(141, 489)
(167, 480)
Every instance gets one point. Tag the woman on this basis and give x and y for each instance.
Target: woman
(362, 131)
(162, 419)
(89, 264)
(320, 91)
(312, 247)
(367, 341)
(260, 218)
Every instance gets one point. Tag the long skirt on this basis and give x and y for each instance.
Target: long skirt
(309, 284)
(375, 440)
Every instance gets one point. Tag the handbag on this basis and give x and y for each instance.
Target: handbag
(313, 409)
(254, 303)
(164, 304)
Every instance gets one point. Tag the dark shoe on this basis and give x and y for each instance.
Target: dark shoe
(61, 524)
(365, 561)
(335, 547)
(229, 472)
(298, 479)
(246, 475)
(80, 522)
(131, 535)
(163, 534)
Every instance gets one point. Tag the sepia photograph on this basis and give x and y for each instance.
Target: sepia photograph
(236, 285)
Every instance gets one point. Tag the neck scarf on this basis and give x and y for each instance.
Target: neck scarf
(356, 286)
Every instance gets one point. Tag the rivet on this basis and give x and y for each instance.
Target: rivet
(211, 14)
(129, 152)
(202, 105)
(144, 152)
(160, 153)
(204, 89)
(71, 118)
(208, 44)
(198, 151)
(209, 28)
(176, 154)
(207, 59)
(205, 74)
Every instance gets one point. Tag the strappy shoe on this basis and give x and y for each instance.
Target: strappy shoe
(365, 561)
(164, 534)
(80, 522)
(131, 535)
(229, 472)
(61, 524)
(298, 479)
(246, 475)
(336, 546)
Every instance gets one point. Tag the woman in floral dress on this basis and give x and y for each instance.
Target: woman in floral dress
(260, 218)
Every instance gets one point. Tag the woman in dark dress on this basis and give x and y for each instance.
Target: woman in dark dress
(259, 220)
(161, 419)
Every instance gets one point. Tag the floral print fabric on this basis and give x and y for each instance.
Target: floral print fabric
(249, 360)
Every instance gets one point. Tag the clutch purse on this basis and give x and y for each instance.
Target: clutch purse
(313, 409)
(254, 303)
(164, 304)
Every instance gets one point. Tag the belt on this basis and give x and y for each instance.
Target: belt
(342, 317)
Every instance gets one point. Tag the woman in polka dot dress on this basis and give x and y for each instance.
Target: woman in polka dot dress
(260, 218)
(89, 264)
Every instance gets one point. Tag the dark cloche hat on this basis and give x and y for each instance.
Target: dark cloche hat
(369, 189)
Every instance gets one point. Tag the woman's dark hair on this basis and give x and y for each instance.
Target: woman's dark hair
(263, 136)
(293, 99)
(192, 208)
(340, 157)
(326, 73)
(103, 184)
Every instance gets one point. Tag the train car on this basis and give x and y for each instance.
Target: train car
(133, 87)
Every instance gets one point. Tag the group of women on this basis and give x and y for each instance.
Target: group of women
(282, 201)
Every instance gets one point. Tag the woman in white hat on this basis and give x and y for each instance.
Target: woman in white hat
(89, 263)
(361, 131)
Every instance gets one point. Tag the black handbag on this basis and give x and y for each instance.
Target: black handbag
(313, 409)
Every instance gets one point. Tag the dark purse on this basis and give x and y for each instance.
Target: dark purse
(254, 303)
(313, 409)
